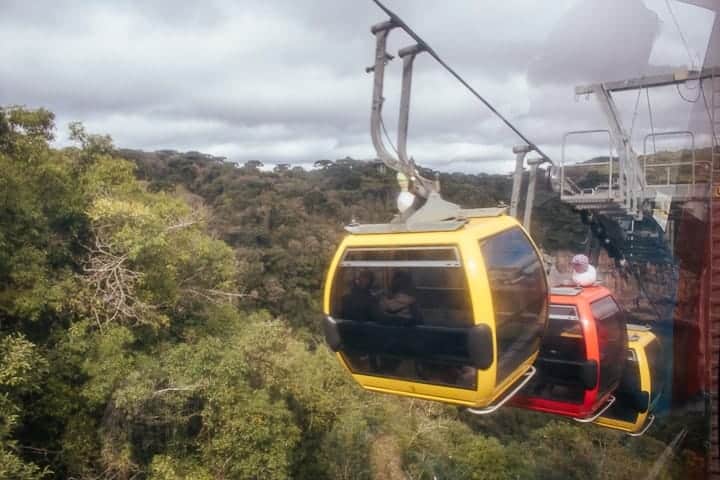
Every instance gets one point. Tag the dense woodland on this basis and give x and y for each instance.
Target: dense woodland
(159, 319)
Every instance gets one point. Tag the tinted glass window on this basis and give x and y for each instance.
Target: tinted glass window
(562, 357)
(564, 338)
(411, 308)
(563, 312)
(628, 396)
(653, 352)
(519, 295)
(612, 340)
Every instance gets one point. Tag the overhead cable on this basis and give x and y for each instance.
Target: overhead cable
(400, 23)
(387, 135)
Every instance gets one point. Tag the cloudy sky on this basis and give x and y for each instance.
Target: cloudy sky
(284, 80)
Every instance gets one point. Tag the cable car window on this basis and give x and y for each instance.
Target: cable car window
(562, 358)
(628, 396)
(612, 339)
(407, 313)
(563, 312)
(519, 295)
(564, 338)
(653, 352)
(604, 308)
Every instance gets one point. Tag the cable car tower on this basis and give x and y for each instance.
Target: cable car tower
(640, 187)
(630, 189)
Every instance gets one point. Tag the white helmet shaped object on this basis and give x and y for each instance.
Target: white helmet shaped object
(584, 274)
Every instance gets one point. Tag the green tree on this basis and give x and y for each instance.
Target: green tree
(21, 369)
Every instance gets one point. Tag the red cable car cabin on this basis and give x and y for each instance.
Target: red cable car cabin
(581, 355)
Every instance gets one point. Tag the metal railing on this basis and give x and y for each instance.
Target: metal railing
(586, 192)
(620, 188)
(668, 166)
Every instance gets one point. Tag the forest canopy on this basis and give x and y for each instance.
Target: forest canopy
(159, 319)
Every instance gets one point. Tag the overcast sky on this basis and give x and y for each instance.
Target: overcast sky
(284, 80)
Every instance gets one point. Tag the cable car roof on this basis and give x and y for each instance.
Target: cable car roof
(569, 291)
(573, 295)
(402, 235)
(465, 217)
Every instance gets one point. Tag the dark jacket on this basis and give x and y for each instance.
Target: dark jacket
(402, 308)
(360, 305)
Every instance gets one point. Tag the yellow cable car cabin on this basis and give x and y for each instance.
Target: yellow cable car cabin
(449, 311)
(640, 387)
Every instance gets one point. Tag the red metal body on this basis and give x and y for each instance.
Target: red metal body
(586, 401)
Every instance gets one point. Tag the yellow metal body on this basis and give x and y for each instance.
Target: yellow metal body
(638, 340)
(466, 239)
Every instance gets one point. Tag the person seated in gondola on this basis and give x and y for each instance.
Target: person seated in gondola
(401, 304)
(584, 274)
(360, 304)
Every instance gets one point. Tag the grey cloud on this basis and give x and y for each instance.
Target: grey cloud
(595, 38)
(284, 80)
(71, 15)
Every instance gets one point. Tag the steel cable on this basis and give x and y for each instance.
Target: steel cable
(400, 23)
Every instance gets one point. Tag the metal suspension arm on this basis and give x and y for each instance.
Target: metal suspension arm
(423, 186)
(435, 208)
(381, 31)
(420, 185)
(520, 151)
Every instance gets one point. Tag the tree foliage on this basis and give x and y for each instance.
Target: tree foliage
(158, 319)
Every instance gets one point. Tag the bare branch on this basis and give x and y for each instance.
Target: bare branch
(182, 224)
(215, 296)
(114, 285)
(188, 388)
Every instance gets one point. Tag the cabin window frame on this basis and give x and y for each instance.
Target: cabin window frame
(456, 263)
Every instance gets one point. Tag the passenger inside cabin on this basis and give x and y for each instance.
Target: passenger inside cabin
(584, 274)
(580, 273)
(360, 304)
(401, 303)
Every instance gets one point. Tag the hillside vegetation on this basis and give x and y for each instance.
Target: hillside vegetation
(159, 319)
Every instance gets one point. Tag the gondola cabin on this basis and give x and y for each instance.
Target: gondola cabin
(581, 355)
(640, 388)
(450, 311)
